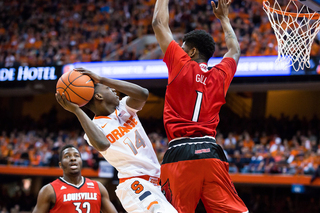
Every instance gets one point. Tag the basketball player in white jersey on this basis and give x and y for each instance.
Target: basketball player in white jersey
(118, 135)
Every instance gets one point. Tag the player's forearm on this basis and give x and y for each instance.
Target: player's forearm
(106, 205)
(96, 136)
(161, 14)
(133, 90)
(230, 36)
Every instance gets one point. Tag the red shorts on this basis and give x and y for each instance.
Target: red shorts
(185, 182)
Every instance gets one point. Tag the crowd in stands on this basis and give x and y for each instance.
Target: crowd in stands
(58, 32)
(268, 145)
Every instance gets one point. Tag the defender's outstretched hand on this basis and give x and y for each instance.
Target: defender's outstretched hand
(222, 11)
(95, 78)
(67, 105)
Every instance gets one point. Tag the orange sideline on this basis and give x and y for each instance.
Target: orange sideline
(275, 179)
(41, 171)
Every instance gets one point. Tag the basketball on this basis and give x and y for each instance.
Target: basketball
(77, 87)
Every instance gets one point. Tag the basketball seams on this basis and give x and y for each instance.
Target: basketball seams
(70, 82)
(76, 94)
(67, 86)
(81, 86)
(64, 89)
(71, 88)
(82, 75)
(67, 93)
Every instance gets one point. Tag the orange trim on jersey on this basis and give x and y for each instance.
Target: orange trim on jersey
(152, 203)
(99, 117)
(154, 180)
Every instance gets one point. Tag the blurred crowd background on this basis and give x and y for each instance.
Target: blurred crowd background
(289, 145)
(40, 32)
(58, 32)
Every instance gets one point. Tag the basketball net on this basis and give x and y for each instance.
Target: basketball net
(295, 27)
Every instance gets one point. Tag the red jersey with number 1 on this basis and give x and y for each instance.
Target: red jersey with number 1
(71, 198)
(194, 94)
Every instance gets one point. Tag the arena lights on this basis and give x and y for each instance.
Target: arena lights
(260, 66)
(147, 69)
(156, 69)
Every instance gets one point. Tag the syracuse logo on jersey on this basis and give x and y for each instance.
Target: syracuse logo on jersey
(120, 131)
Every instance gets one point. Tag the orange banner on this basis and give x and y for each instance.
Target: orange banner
(278, 179)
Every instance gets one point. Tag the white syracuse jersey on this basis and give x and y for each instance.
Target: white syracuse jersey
(131, 151)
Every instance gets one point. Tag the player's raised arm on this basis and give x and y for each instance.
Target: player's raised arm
(45, 200)
(96, 137)
(106, 205)
(222, 12)
(137, 94)
(160, 24)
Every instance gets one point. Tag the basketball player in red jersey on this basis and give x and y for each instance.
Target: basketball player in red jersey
(194, 166)
(72, 192)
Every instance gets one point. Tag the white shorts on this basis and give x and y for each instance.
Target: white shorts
(141, 196)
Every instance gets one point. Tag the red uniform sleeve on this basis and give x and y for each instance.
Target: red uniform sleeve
(175, 58)
(228, 66)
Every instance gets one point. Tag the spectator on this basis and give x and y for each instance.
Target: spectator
(277, 147)
(54, 161)
(268, 165)
(86, 156)
(230, 142)
(23, 159)
(254, 164)
(288, 156)
(80, 34)
(9, 60)
(46, 156)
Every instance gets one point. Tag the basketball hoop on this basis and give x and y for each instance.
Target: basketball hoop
(295, 27)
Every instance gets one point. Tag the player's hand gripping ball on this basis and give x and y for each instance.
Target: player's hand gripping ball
(78, 88)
